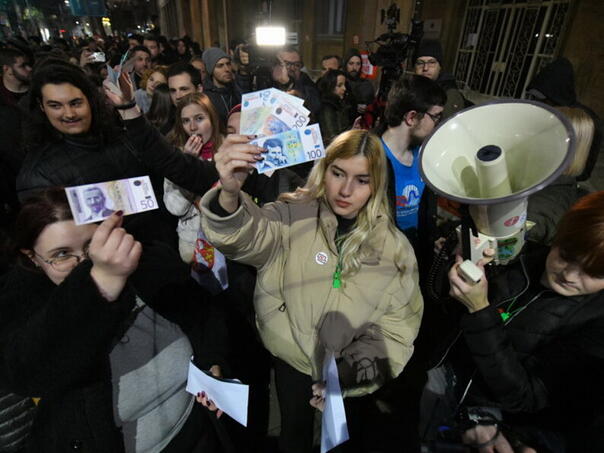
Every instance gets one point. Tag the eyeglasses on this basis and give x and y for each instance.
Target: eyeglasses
(64, 262)
(436, 118)
(292, 64)
(429, 63)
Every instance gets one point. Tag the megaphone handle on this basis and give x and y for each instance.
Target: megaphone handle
(467, 227)
(466, 252)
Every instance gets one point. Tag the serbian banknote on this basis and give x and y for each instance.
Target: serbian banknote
(271, 112)
(95, 202)
(289, 148)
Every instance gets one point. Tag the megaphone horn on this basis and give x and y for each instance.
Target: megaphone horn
(492, 157)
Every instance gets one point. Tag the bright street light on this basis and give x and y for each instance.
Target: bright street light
(270, 36)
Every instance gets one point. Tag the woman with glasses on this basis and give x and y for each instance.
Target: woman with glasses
(102, 330)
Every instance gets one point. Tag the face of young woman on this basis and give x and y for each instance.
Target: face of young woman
(347, 186)
(196, 121)
(568, 279)
(340, 89)
(157, 78)
(55, 242)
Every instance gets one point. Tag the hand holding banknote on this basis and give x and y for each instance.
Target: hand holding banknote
(234, 159)
(114, 255)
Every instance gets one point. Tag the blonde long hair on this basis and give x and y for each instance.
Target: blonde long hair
(345, 146)
(584, 132)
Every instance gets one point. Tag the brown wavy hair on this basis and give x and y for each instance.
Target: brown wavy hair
(161, 69)
(178, 137)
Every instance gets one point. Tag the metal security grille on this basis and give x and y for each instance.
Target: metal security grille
(504, 43)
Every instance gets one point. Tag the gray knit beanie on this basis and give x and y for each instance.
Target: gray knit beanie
(211, 56)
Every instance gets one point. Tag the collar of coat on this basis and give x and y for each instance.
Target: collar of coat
(371, 250)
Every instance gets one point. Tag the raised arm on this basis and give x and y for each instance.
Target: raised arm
(230, 219)
(154, 151)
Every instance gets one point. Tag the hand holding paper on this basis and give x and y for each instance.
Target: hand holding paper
(230, 396)
(334, 429)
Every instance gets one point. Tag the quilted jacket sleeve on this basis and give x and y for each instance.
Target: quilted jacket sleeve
(251, 235)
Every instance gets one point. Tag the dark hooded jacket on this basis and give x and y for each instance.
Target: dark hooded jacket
(556, 83)
(223, 99)
(362, 89)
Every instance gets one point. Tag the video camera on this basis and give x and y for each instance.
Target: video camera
(258, 62)
(394, 48)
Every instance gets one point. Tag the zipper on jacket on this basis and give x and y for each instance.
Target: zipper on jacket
(269, 315)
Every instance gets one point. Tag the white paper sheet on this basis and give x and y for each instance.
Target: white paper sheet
(334, 429)
(229, 396)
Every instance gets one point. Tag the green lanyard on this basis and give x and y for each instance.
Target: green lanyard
(337, 275)
(507, 314)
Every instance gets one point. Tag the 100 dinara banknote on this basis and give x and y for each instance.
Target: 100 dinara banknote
(290, 148)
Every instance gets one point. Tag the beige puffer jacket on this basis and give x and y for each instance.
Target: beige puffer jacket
(370, 322)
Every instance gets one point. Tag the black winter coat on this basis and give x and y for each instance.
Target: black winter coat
(223, 99)
(140, 150)
(362, 90)
(545, 367)
(334, 118)
(55, 343)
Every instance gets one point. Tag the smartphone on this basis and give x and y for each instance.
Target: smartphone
(98, 57)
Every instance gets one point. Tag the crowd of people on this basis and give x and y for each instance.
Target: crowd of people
(259, 277)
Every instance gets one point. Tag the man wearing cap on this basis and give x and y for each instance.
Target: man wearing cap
(362, 89)
(220, 85)
(428, 63)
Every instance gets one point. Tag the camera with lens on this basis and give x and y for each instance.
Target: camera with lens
(393, 48)
(257, 62)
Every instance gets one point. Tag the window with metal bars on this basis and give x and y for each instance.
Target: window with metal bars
(505, 43)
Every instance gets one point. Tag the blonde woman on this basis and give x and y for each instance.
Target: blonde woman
(546, 207)
(334, 274)
(583, 126)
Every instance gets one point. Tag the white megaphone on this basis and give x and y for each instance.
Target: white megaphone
(492, 157)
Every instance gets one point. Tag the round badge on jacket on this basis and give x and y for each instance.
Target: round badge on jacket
(321, 258)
